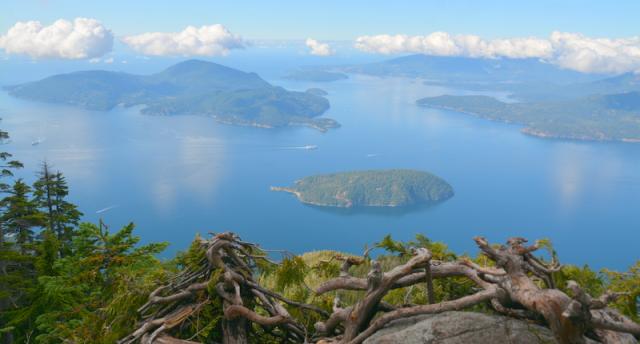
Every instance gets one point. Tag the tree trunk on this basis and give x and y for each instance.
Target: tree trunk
(235, 331)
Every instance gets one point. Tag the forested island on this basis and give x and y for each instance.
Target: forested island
(193, 87)
(614, 117)
(376, 188)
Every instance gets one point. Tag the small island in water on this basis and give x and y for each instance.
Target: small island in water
(377, 188)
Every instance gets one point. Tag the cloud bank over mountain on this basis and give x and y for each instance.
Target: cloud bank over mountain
(81, 38)
(207, 40)
(567, 50)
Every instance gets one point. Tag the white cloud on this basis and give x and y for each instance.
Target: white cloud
(81, 39)
(445, 44)
(604, 55)
(319, 49)
(206, 40)
(566, 50)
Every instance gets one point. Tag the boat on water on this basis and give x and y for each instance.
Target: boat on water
(37, 141)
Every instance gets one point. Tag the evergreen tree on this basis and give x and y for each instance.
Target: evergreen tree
(62, 217)
(6, 164)
(21, 216)
(11, 274)
(95, 290)
(6, 167)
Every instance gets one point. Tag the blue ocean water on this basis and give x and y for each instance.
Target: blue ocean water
(176, 176)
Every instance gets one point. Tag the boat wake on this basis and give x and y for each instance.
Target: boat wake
(37, 141)
(307, 147)
(104, 210)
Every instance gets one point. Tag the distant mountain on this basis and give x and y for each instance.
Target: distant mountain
(614, 117)
(190, 87)
(196, 75)
(474, 71)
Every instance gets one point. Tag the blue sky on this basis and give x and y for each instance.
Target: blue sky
(342, 20)
(586, 36)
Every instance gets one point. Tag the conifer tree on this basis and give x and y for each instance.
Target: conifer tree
(21, 216)
(6, 163)
(6, 167)
(9, 258)
(51, 191)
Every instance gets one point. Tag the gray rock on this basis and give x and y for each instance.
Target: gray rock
(461, 328)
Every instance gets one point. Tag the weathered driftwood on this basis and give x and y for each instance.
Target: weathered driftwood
(512, 287)
(509, 288)
(233, 263)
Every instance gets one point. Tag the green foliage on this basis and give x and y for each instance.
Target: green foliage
(21, 215)
(589, 280)
(50, 192)
(6, 163)
(628, 283)
(392, 246)
(95, 290)
(383, 188)
(290, 272)
(439, 251)
(193, 256)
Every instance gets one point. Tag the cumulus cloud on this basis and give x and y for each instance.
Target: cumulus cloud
(208, 40)
(78, 39)
(317, 48)
(604, 55)
(445, 44)
(567, 50)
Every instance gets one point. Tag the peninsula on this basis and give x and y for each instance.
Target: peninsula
(613, 117)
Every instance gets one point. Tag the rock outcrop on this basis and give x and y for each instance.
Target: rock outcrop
(462, 328)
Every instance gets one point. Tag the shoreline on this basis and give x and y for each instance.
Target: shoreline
(527, 130)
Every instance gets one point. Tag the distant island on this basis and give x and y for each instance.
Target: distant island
(458, 71)
(315, 75)
(193, 87)
(614, 117)
(376, 188)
